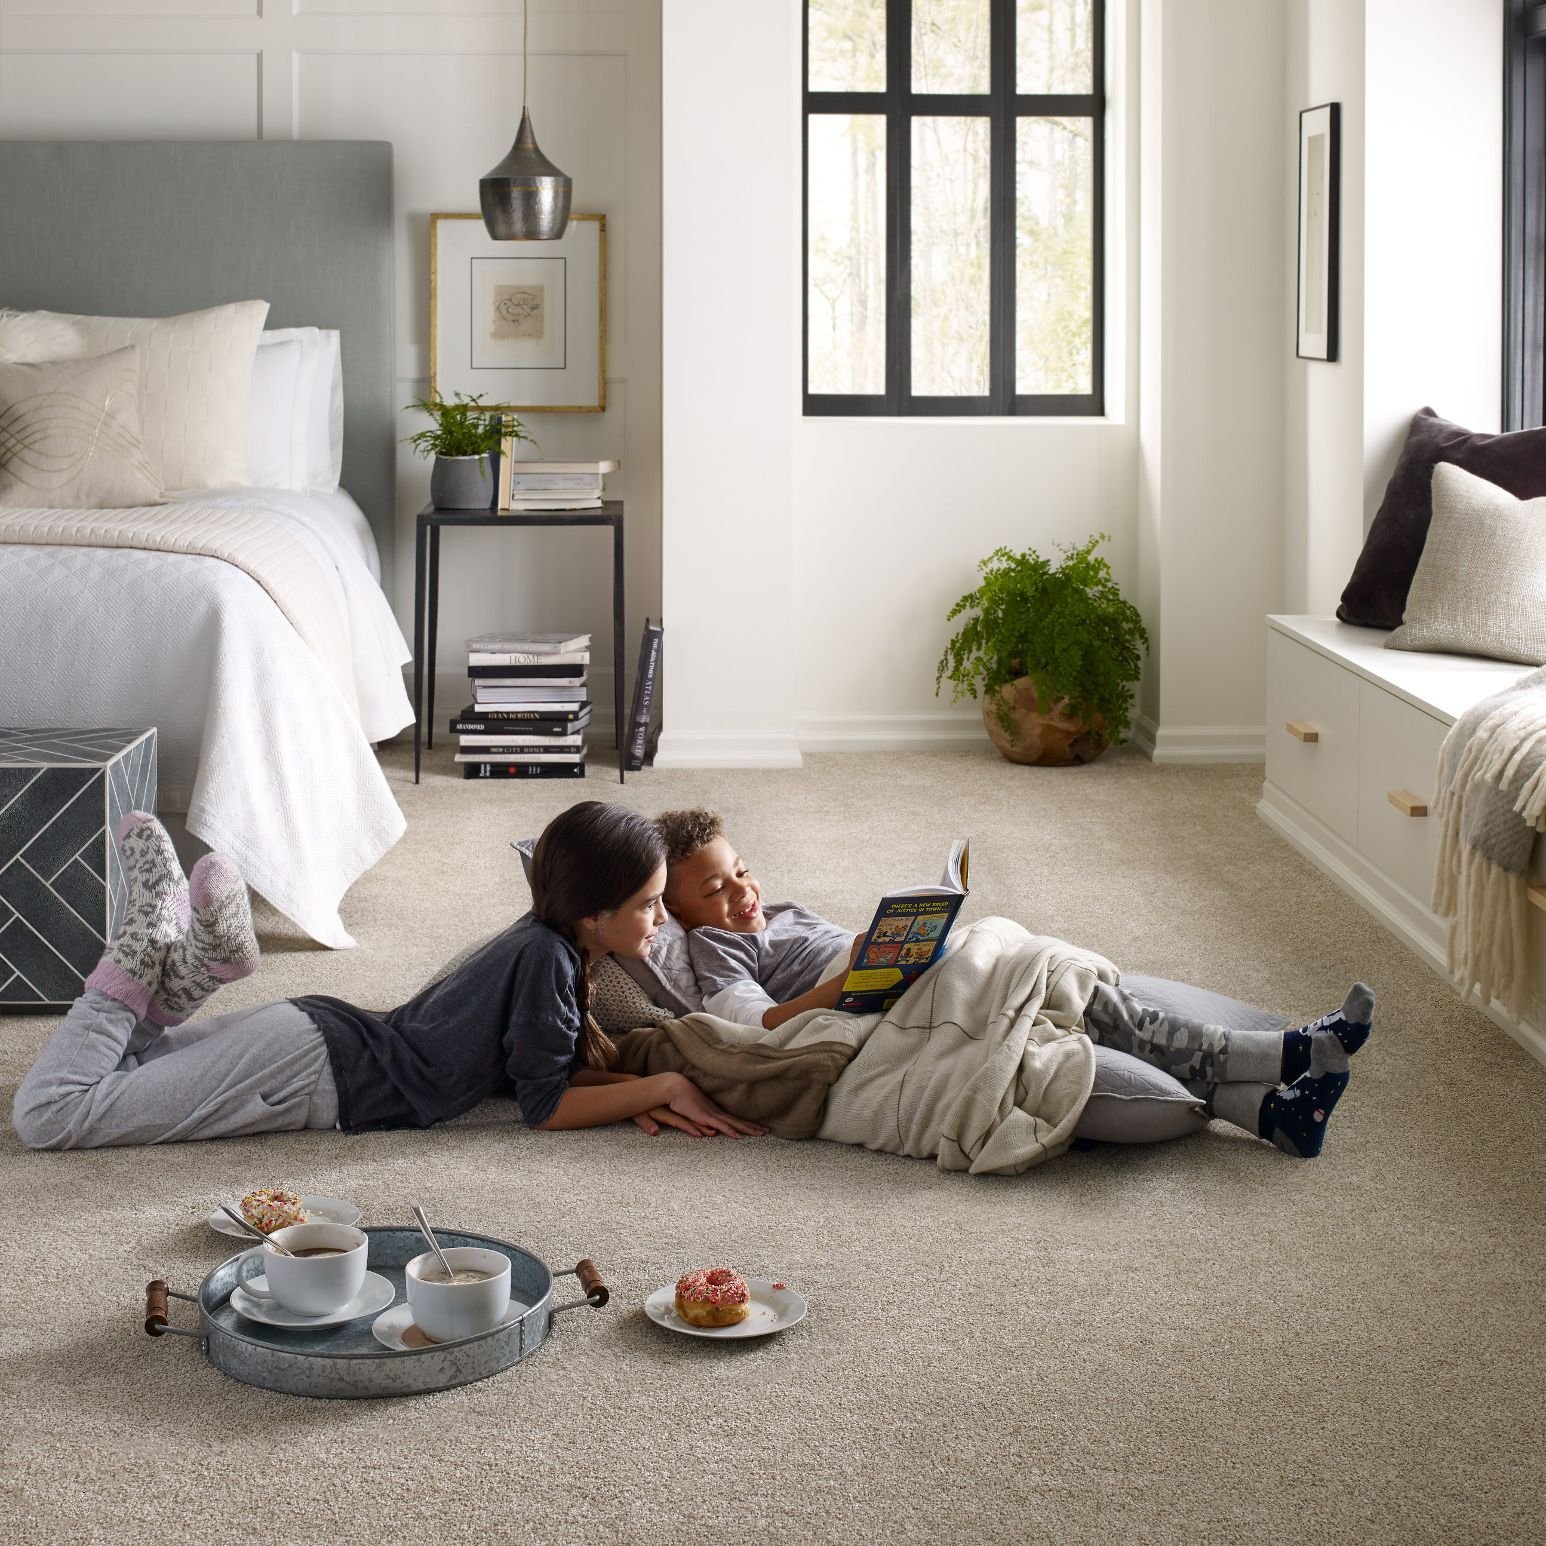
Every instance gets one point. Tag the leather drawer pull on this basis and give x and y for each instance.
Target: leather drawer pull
(1537, 894)
(1406, 802)
(1303, 732)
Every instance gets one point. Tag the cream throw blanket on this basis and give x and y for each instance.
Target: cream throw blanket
(981, 1066)
(1491, 803)
(256, 544)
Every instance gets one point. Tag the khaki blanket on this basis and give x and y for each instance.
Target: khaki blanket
(257, 544)
(983, 1066)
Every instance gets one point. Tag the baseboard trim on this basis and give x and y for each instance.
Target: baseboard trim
(727, 751)
(1404, 915)
(891, 732)
(1201, 743)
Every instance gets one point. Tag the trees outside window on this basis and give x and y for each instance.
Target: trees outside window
(954, 154)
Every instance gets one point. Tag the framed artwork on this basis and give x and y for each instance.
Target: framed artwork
(521, 324)
(1320, 186)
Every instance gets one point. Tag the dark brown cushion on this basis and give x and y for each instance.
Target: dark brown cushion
(1376, 595)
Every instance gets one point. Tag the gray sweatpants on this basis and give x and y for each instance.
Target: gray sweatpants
(105, 1079)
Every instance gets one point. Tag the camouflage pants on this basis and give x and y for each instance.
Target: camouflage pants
(1197, 1054)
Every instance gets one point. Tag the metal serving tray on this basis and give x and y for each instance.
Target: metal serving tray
(346, 1360)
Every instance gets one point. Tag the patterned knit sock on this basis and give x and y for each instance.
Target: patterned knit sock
(1324, 1046)
(218, 946)
(1295, 1118)
(156, 913)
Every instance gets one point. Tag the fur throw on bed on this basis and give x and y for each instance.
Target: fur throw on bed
(31, 337)
(1491, 803)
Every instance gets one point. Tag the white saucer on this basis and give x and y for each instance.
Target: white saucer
(319, 1210)
(388, 1329)
(375, 1294)
(772, 1309)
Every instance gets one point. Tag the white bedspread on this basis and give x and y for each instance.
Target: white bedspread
(256, 742)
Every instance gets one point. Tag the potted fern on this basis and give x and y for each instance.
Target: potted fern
(462, 437)
(1052, 650)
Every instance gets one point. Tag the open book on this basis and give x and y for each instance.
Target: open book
(906, 937)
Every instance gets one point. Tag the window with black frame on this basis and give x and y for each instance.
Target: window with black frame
(954, 172)
(1524, 214)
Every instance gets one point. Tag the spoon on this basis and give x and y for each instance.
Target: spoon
(434, 1244)
(250, 1229)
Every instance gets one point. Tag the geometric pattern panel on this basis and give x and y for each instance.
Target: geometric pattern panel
(62, 887)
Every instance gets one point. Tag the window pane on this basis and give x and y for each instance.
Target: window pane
(1054, 263)
(950, 46)
(950, 257)
(1055, 47)
(846, 298)
(847, 45)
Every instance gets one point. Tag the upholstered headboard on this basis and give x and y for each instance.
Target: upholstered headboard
(148, 228)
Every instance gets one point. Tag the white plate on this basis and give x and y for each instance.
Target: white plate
(375, 1294)
(772, 1309)
(388, 1329)
(319, 1210)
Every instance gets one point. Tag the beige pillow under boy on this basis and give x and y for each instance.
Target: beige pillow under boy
(70, 435)
(1480, 586)
(195, 375)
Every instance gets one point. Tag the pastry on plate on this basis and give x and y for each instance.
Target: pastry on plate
(716, 1296)
(270, 1208)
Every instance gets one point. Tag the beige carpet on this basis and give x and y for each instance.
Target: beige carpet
(1207, 1341)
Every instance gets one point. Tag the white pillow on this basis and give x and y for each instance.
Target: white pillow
(319, 405)
(195, 382)
(275, 439)
(32, 337)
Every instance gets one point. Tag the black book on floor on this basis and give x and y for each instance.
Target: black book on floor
(523, 770)
(643, 696)
(484, 719)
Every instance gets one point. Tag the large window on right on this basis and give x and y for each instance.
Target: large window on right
(1524, 214)
(954, 168)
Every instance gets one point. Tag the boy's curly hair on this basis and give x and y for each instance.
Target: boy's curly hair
(685, 832)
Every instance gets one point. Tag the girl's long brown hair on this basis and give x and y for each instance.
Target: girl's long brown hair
(591, 860)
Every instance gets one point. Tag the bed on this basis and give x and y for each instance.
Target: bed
(267, 701)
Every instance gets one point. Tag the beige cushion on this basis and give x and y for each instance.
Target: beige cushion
(195, 375)
(70, 435)
(617, 1002)
(1480, 586)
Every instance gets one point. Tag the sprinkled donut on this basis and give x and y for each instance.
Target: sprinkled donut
(716, 1296)
(269, 1208)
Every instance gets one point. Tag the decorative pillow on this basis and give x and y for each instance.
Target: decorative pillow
(272, 460)
(1134, 1102)
(666, 978)
(195, 380)
(70, 435)
(1376, 595)
(1480, 586)
(618, 1003)
(319, 405)
(30, 337)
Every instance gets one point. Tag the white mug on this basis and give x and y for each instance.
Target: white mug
(446, 1311)
(309, 1285)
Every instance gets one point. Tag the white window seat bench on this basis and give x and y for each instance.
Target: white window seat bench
(1353, 738)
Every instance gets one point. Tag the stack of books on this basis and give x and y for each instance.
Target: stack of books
(525, 485)
(529, 711)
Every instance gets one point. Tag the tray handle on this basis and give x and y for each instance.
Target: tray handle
(156, 1322)
(596, 1292)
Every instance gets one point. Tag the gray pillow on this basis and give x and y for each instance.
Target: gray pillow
(1480, 586)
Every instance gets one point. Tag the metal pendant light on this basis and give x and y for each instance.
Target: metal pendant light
(525, 197)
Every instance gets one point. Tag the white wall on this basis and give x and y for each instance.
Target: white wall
(440, 79)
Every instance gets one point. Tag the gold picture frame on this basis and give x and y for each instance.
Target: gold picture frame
(510, 322)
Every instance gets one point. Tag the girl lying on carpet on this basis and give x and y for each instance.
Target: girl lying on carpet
(761, 967)
(123, 1068)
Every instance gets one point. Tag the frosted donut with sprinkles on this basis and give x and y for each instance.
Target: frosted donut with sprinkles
(716, 1296)
(270, 1208)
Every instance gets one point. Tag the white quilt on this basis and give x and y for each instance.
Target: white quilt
(257, 743)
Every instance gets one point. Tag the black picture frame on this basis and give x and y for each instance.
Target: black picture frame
(1320, 200)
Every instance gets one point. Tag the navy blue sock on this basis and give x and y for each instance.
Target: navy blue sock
(1295, 1118)
(1312, 1049)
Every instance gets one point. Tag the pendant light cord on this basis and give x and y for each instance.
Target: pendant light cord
(525, 22)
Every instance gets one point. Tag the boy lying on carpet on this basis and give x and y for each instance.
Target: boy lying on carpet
(123, 1068)
(760, 966)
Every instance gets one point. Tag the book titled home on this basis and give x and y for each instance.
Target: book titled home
(643, 696)
(905, 938)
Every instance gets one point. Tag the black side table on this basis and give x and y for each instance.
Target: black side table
(426, 598)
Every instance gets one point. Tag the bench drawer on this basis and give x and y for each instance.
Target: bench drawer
(1398, 778)
(1312, 733)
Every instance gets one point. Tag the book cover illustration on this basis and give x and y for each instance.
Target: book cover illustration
(905, 938)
